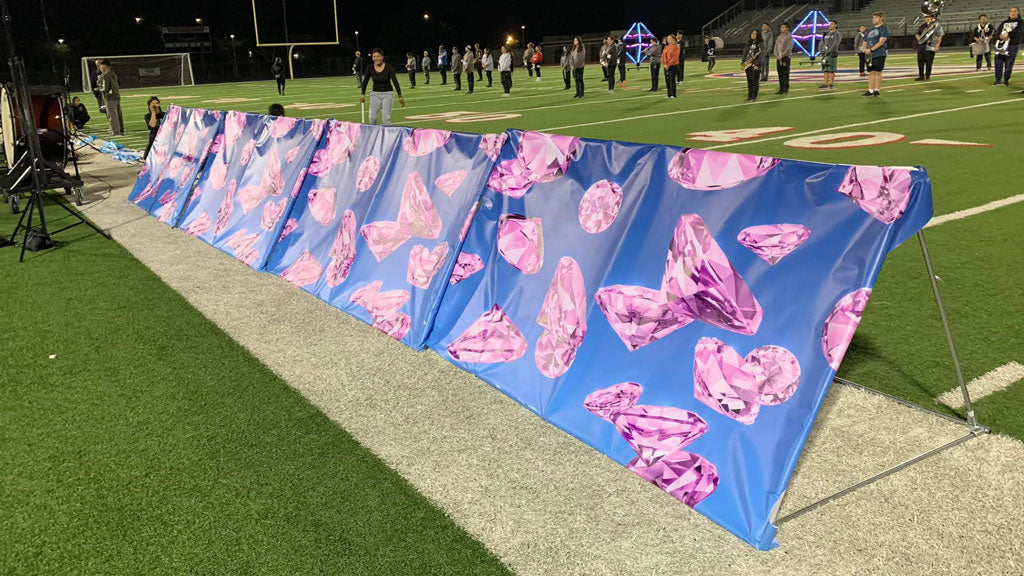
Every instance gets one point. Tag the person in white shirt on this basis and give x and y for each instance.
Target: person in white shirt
(488, 64)
(505, 69)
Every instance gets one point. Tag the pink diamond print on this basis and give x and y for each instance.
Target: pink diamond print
(424, 264)
(298, 183)
(379, 304)
(656, 431)
(147, 192)
(234, 123)
(492, 338)
(600, 206)
(172, 169)
(546, 156)
(521, 242)
(711, 170)
(553, 355)
(318, 128)
(564, 311)
(289, 226)
(416, 211)
(772, 242)
(292, 154)
(227, 206)
(722, 381)
(884, 193)
(247, 152)
(383, 238)
(469, 221)
(778, 371)
(321, 164)
(491, 144)
(178, 132)
(607, 402)
(367, 173)
(242, 244)
(841, 324)
(217, 145)
(304, 271)
(272, 212)
(200, 225)
(450, 181)
(510, 177)
(342, 138)
(700, 282)
(638, 315)
(168, 196)
(186, 176)
(321, 204)
(282, 125)
(423, 141)
(343, 252)
(167, 212)
(218, 175)
(687, 477)
(465, 266)
(396, 326)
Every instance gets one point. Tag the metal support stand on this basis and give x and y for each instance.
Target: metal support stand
(971, 422)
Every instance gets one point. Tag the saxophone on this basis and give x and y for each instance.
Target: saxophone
(752, 62)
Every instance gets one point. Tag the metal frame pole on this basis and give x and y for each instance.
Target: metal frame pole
(972, 420)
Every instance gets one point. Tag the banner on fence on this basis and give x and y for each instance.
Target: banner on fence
(682, 311)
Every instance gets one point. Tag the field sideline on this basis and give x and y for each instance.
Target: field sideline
(220, 444)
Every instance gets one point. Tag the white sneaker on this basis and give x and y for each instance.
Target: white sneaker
(537, 80)
(611, 91)
(505, 95)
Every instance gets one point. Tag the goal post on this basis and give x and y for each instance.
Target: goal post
(143, 70)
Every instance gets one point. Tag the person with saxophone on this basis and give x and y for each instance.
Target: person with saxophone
(751, 64)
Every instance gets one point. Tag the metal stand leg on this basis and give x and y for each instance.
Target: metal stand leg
(971, 422)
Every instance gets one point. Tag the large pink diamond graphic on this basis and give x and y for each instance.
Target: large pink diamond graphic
(600, 206)
(700, 282)
(292, 154)
(711, 170)
(607, 402)
(290, 226)
(200, 225)
(655, 431)
(521, 242)
(638, 315)
(881, 192)
(234, 123)
(772, 242)
(492, 338)
(341, 140)
(218, 175)
(687, 477)
(380, 304)
(281, 125)
(247, 151)
(423, 141)
(722, 381)
(343, 251)
(367, 173)
(778, 371)
(227, 207)
(321, 204)
(424, 264)
(450, 181)
(465, 266)
(383, 238)
(242, 245)
(304, 271)
(416, 211)
(546, 156)
(396, 326)
(842, 322)
(491, 144)
(510, 177)
(564, 311)
(272, 212)
(553, 355)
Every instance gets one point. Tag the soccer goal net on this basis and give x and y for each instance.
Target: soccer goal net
(142, 70)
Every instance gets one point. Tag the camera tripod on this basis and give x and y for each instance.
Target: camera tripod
(45, 175)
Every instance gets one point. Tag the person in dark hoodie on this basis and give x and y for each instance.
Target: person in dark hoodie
(1007, 37)
(612, 57)
(278, 71)
(442, 64)
(577, 60)
(469, 64)
(653, 53)
(751, 64)
(457, 68)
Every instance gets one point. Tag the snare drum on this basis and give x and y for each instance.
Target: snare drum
(48, 109)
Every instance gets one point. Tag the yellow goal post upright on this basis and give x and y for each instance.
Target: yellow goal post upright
(291, 45)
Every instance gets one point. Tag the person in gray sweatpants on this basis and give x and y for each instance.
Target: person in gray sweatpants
(654, 53)
(767, 48)
(382, 98)
(112, 98)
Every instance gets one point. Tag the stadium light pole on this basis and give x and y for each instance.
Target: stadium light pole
(234, 58)
(357, 40)
(524, 34)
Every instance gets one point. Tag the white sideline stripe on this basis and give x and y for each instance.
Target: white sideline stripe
(726, 106)
(933, 90)
(984, 385)
(896, 90)
(870, 122)
(961, 214)
(973, 91)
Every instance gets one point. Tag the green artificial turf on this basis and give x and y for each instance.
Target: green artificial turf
(154, 444)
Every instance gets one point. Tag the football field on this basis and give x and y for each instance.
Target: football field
(140, 432)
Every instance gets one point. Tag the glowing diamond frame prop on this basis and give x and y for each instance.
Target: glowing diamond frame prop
(636, 40)
(807, 35)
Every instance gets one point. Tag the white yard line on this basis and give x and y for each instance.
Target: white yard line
(870, 122)
(721, 107)
(961, 214)
(984, 385)
(933, 90)
(973, 91)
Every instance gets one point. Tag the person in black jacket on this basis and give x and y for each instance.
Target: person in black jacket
(357, 67)
(982, 40)
(97, 88)
(154, 116)
(612, 57)
(751, 64)
(77, 113)
(382, 98)
(1007, 36)
(278, 71)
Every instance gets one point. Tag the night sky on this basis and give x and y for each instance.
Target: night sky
(93, 27)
